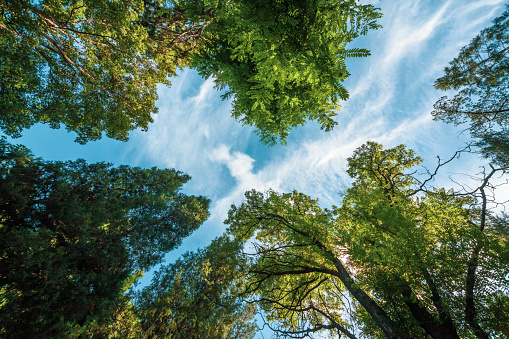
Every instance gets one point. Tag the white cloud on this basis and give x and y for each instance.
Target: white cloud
(191, 122)
(239, 164)
(391, 97)
(409, 30)
(390, 102)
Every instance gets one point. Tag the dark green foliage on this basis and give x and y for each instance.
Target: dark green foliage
(283, 61)
(198, 297)
(495, 146)
(481, 74)
(71, 234)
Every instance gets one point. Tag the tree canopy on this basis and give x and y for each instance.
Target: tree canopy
(481, 74)
(283, 61)
(395, 260)
(198, 296)
(93, 65)
(74, 236)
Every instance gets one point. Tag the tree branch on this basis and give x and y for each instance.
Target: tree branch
(390, 329)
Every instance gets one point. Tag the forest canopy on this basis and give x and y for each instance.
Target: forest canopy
(74, 236)
(93, 66)
(398, 257)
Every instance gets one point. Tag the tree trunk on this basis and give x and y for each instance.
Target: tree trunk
(434, 327)
(389, 328)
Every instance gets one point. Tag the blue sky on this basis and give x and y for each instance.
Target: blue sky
(391, 97)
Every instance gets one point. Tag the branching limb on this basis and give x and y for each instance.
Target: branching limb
(422, 185)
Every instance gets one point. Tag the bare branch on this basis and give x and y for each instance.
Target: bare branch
(422, 186)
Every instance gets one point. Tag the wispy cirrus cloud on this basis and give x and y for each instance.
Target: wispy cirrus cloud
(391, 97)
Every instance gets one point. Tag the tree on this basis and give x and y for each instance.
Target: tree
(74, 237)
(283, 61)
(395, 260)
(481, 74)
(198, 297)
(91, 65)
